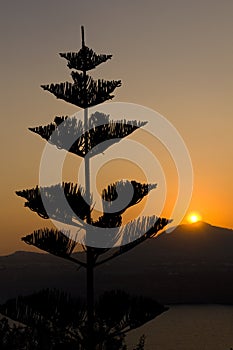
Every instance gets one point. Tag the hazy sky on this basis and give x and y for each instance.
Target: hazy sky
(173, 56)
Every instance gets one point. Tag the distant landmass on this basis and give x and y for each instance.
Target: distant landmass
(192, 264)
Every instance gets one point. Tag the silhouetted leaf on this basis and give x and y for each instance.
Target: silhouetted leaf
(137, 231)
(143, 310)
(127, 191)
(85, 59)
(134, 233)
(108, 220)
(46, 306)
(85, 92)
(120, 312)
(52, 241)
(64, 130)
(56, 207)
(62, 135)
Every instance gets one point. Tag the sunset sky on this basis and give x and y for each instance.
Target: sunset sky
(173, 56)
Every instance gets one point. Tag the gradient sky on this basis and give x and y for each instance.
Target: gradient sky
(173, 56)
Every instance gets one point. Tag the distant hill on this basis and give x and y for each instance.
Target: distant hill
(192, 264)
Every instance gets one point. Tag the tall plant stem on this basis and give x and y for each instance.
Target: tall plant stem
(90, 260)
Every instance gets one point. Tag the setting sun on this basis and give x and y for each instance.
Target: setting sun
(194, 217)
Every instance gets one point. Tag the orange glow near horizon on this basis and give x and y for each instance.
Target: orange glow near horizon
(194, 217)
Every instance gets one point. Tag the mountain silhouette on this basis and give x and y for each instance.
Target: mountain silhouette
(192, 264)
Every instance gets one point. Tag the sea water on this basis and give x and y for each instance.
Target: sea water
(188, 327)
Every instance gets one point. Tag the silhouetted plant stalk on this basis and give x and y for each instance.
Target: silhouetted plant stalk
(88, 139)
(90, 261)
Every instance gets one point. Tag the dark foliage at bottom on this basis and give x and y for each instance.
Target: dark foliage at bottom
(52, 320)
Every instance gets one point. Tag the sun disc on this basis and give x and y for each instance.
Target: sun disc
(194, 217)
